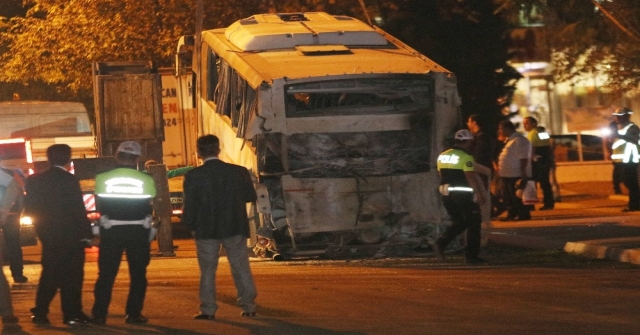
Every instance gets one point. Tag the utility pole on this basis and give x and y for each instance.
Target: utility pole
(196, 64)
(162, 207)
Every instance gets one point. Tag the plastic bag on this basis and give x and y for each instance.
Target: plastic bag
(529, 194)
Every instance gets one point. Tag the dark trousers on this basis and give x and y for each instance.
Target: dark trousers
(618, 177)
(630, 178)
(134, 240)
(465, 215)
(541, 174)
(515, 208)
(62, 268)
(11, 232)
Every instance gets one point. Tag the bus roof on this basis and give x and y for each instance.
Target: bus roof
(266, 47)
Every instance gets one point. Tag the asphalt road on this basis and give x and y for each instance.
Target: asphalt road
(521, 292)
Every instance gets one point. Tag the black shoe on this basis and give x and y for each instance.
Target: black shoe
(20, 279)
(84, 317)
(99, 320)
(630, 210)
(545, 208)
(40, 320)
(204, 317)
(475, 261)
(74, 322)
(248, 314)
(136, 319)
(509, 218)
(9, 319)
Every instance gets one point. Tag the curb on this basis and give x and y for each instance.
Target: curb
(585, 249)
(603, 252)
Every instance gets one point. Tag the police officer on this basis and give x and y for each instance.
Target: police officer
(624, 151)
(541, 160)
(462, 195)
(124, 200)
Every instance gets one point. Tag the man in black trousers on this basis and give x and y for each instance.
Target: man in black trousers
(54, 203)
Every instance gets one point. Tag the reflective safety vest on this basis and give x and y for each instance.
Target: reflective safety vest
(452, 164)
(125, 183)
(541, 146)
(538, 138)
(623, 151)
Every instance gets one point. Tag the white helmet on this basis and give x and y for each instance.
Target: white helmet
(463, 135)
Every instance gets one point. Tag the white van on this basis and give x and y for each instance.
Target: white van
(43, 123)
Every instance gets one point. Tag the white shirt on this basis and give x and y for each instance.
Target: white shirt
(516, 148)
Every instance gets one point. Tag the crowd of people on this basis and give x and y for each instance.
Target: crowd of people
(510, 161)
(478, 169)
(214, 207)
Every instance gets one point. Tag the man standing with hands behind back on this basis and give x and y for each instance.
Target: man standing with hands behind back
(54, 203)
(215, 198)
(124, 199)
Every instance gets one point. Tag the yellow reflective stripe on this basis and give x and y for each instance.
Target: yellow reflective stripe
(128, 196)
(618, 143)
(624, 130)
(630, 154)
(460, 188)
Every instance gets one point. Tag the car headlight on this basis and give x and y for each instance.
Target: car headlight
(26, 221)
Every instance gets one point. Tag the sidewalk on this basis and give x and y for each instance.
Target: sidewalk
(587, 222)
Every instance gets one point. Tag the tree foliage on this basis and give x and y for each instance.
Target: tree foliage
(58, 40)
(468, 39)
(588, 38)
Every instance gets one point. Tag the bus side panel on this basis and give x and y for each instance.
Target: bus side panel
(338, 204)
(232, 149)
(417, 195)
(329, 204)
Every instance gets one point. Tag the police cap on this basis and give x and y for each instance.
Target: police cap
(130, 147)
(463, 135)
(622, 111)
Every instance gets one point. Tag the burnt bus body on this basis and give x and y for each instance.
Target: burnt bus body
(339, 123)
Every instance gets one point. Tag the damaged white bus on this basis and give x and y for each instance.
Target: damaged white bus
(339, 122)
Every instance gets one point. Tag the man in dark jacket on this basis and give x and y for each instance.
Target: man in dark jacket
(215, 197)
(54, 203)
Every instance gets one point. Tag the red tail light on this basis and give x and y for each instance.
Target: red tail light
(93, 216)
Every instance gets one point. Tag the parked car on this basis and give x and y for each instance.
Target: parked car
(567, 148)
